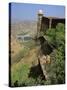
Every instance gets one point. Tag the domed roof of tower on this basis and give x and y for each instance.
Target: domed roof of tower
(40, 11)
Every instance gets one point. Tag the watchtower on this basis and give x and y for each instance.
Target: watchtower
(39, 21)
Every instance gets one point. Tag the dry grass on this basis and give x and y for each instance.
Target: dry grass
(15, 47)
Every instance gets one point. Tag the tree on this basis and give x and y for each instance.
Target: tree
(56, 69)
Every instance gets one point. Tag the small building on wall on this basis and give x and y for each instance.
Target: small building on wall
(51, 22)
(45, 23)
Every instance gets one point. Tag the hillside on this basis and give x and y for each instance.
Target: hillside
(24, 27)
(25, 68)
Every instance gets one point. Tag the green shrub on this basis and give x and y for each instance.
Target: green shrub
(56, 69)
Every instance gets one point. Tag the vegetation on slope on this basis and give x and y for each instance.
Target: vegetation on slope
(24, 74)
(56, 69)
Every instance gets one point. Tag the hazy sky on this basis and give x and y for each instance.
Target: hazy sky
(21, 11)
